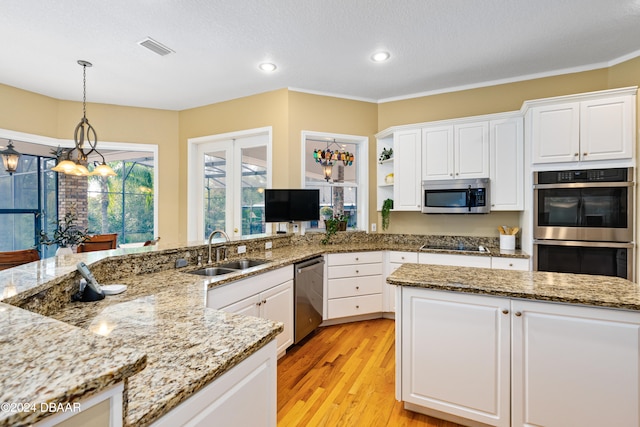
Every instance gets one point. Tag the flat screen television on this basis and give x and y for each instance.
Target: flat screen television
(291, 205)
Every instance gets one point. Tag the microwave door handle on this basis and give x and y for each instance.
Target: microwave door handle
(469, 199)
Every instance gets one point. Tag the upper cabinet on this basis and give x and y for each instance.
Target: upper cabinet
(456, 151)
(507, 164)
(399, 175)
(583, 128)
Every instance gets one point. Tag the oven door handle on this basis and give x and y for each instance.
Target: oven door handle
(583, 185)
(584, 244)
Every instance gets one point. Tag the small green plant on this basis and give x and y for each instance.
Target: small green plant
(386, 154)
(332, 226)
(66, 234)
(387, 205)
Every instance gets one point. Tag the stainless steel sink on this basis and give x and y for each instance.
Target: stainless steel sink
(229, 267)
(243, 264)
(213, 271)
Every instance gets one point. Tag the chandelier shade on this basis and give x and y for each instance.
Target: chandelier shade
(327, 158)
(76, 163)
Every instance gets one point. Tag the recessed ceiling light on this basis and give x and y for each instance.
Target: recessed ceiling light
(267, 67)
(380, 56)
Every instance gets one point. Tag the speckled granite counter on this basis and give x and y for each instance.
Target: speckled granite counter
(162, 315)
(47, 361)
(602, 291)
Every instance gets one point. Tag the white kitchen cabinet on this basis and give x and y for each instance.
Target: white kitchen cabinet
(454, 260)
(399, 177)
(395, 260)
(224, 401)
(456, 151)
(268, 295)
(503, 263)
(456, 355)
(406, 170)
(574, 365)
(507, 164)
(354, 284)
(583, 130)
(101, 409)
(481, 357)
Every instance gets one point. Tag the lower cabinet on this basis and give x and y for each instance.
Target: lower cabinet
(394, 261)
(455, 260)
(512, 362)
(354, 284)
(268, 295)
(520, 264)
(243, 396)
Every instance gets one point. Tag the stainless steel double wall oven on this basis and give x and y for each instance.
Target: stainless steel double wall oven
(583, 221)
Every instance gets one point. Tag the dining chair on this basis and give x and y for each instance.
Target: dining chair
(15, 258)
(99, 242)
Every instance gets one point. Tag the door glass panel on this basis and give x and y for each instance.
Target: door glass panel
(253, 183)
(605, 207)
(215, 188)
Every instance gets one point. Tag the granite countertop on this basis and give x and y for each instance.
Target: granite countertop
(161, 321)
(601, 291)
(46, 361)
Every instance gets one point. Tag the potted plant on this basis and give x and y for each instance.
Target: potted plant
(332, 225)
(387, 205)
(66, 234)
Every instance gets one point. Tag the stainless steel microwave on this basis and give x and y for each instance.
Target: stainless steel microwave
(456, 196)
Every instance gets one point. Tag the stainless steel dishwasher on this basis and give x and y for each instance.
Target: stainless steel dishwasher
(307, 294)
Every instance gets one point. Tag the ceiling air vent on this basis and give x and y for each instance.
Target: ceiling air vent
(155, 47)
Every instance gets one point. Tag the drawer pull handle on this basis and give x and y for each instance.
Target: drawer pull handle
(357, 288)
(357, 259)
(518, 314)
(510, 264)
(357, 306)
(505, 311)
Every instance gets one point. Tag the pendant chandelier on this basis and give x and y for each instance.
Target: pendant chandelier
(84, 132)
(10, 158)
(327, 158)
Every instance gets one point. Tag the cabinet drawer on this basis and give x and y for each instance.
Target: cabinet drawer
(354, 258)
(520, 264)
(354, 286)
(353, 306)
(402, 257)
(354, 270)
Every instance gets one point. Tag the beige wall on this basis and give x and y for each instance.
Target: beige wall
(40, 115)
(289, 113)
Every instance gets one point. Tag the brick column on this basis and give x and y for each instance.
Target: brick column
(72, 196)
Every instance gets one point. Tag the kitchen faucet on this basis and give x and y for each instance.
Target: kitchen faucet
(213, 233)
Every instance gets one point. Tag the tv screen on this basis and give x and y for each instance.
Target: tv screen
(291, 205)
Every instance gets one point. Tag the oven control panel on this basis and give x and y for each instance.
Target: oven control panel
(584, 175)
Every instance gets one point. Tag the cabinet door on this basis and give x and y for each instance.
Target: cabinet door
(471, 150)
(248, 306)
(555, 133)
(606, 128)
(455, 354)
(507, 164)
(277, 305)
(574, 366)
(407, 183)
(437, 153)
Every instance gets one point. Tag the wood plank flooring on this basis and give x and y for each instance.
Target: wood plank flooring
(344, 375)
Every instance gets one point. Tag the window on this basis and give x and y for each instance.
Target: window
(124, 203)
(28, 202)
(343, 188)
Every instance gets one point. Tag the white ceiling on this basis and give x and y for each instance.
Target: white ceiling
(319, 46)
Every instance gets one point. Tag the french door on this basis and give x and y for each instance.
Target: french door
(232, 175)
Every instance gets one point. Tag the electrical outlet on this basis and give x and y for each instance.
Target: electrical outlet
(268, 245)
(374, 227)
(242, 249)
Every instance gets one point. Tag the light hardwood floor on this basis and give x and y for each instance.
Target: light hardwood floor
(344, 375)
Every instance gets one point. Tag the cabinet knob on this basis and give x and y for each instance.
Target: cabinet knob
(264, 301)
(357, 259)
(517, 313)
(450, 174)
(576, 154)
(357, 288)
(259, 304)
(401, 257)
(457, 174)
(584, 154)
(357, 306)
(357, 271)
(510, 264)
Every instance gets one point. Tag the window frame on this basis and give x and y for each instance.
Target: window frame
(361, 162)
